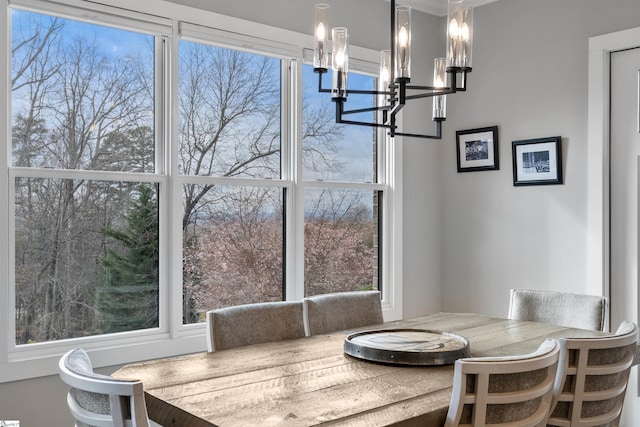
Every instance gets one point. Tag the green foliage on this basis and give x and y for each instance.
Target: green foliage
(128, 295)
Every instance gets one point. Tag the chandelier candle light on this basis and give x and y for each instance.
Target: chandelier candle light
(449, 74)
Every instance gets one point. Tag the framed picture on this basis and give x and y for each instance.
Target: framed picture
(477, 149)
(537, 161)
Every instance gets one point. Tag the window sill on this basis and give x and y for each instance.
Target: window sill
(24, 365)
(32, 363)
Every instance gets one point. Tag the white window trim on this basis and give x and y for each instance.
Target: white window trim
(95, 12)
(5, 77)
(172, 338)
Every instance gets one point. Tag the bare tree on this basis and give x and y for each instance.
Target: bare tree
(229, 117)
(33, 52)
(320, 136)
(229, 120)
(339, 242)
(240, 251)
(74, 108)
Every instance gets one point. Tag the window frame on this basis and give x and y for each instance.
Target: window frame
(172, 337)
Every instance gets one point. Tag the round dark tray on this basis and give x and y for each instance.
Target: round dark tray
(419, 347)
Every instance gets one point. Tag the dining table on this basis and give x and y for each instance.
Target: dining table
(311, 381)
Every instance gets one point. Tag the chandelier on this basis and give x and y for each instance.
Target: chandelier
(394, 90)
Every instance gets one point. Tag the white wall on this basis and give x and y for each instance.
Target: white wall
(422, 185)
(529, 79)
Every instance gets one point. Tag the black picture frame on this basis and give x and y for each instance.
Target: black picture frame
(477, 149)
(537, 161)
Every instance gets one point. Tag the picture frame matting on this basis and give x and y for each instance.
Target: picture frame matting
(477, 149)
(537, 161)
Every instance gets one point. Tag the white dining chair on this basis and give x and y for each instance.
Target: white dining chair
(339, 311)
(592, 378)
(559, 308)
(100, 400)
(513, 391)
(256, 323)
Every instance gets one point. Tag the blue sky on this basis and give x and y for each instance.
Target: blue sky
(355, 149)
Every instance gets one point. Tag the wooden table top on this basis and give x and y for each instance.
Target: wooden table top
(310, 381)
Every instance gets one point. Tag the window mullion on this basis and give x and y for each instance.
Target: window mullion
(295, 200)
(174, 304)
(161, 59)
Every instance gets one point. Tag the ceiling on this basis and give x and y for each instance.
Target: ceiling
(436, 7)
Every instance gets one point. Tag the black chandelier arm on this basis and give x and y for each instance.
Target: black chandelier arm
(445, 91)
(436, 91)
(434, 88)
(396, 109)
(368, 92)
(454, 71)
(391, 122)
(340, 112)
(366, 110)
(438, 134)
(463, 82)
(368, 124)
(320, 72)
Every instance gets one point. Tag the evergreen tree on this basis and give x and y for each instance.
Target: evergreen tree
(128, 295)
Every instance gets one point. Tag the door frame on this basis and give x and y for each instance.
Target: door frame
(598, 167)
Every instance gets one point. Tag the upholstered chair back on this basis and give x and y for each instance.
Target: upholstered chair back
(559, 308)
(342, 310)
(258, 323)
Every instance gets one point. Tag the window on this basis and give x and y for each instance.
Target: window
(85, 244)
(158, 169)
(340, 240)
(341, 210)
(229, 122)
